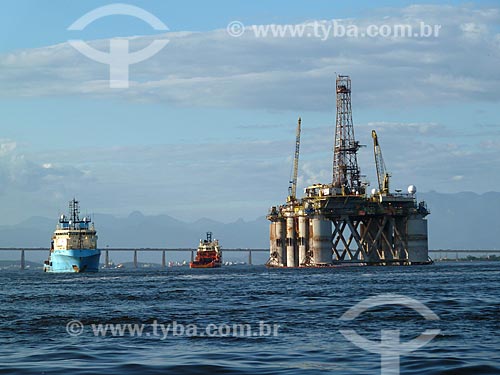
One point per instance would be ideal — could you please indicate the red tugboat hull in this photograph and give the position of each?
(212, 264)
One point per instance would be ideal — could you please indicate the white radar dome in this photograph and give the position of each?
(412, 189)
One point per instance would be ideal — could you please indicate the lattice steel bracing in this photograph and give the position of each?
(346, 172)
(377, 240)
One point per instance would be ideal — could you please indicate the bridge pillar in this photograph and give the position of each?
(106, 261)
(23, 260)
(250, 257)
(192, 255)
(163, 260)
(135, 258)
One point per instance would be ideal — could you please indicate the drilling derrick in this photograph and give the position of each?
(346, 172)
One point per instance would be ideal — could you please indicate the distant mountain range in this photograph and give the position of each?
(139, 231)
(463, 220)
(457, 221)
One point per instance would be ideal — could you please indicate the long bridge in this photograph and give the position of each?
(107, 251)
(164, 252)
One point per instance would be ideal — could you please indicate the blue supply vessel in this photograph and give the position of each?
(74, 244)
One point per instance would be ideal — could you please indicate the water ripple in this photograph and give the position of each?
(306, 304)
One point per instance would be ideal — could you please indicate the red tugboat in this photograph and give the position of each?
(209, 254)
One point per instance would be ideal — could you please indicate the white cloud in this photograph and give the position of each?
(227, 180)
(19, 172)
(6, 147)
(223, 181)
(473, 30)
(215, 70)
(212, 69)
(430, 129)
(429, 155)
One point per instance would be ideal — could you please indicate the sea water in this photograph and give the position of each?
(191, 320)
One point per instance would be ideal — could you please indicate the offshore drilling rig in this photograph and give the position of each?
(339, 223)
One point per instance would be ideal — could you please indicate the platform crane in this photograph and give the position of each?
(382, 174)
(292, 188)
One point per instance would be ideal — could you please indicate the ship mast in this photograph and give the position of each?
(74, 213)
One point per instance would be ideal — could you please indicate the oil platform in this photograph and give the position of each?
(338, 223)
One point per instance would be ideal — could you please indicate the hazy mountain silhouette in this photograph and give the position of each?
(139, 231)
(463, 220)
(457, 221)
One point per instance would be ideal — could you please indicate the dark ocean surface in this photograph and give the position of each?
(35, 309)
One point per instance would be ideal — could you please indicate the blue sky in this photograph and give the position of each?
(206, 128)
(38, 23)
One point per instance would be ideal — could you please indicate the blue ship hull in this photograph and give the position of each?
(84, 260)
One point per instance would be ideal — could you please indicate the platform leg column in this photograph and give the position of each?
(23, 260)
